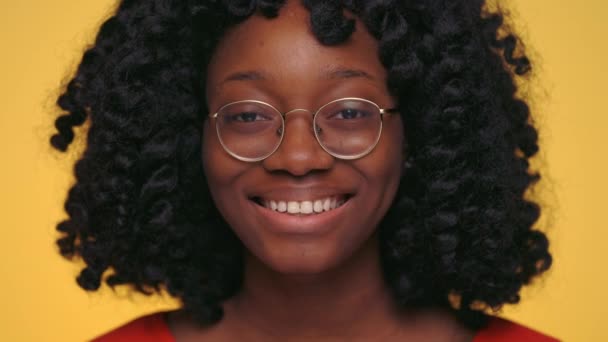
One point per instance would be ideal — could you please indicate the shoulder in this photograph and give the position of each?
(502, 330)
(152, 328)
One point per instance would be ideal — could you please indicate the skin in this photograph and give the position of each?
(306, 278)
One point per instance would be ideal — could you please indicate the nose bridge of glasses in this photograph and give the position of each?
(297, 110)
(304, 122)
(299, 150)
(306, 116)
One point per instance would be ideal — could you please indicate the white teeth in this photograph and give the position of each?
(293, 207)
(327, 204)
(304, 207)
(318, 206)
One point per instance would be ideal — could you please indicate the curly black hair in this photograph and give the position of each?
(461, 226)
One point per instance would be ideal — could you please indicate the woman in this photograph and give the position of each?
(312, 170)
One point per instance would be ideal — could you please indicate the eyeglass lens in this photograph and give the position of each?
(253, 130)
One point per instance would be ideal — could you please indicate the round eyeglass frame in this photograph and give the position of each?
(382, 112)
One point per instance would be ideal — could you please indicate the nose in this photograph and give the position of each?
(300, 152)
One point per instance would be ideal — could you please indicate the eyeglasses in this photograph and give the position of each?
(347, 128)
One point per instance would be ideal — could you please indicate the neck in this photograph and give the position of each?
(350, 299)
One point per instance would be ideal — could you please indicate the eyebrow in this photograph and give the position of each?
(336, 72)
(330, 72)
(250, 75)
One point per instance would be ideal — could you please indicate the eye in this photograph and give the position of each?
(246, 117)
(349, 114)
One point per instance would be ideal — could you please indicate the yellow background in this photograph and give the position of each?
(41, 43)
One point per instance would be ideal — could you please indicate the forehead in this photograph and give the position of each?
(285, 49)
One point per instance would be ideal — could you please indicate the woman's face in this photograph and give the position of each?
(280, 62)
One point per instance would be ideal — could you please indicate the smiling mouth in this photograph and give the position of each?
(307, 207)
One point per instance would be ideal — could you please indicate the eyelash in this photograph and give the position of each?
(239, 117)
(358, 114)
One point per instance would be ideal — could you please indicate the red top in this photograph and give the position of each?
(154, 328)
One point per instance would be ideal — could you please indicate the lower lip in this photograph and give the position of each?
(311, 224)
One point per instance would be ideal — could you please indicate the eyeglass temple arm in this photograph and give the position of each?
(389, 110)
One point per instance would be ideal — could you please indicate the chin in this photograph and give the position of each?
(300, 260)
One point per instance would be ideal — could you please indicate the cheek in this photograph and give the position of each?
(211, 157)
(223, 173)
(385, 168)
(221, 170)
(382, 169)
(225, 180)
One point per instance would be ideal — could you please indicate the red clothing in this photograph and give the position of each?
(154, 328)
